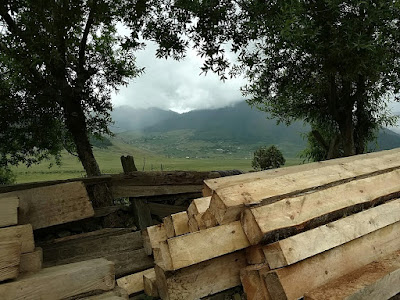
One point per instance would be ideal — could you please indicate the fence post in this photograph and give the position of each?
(128, 164)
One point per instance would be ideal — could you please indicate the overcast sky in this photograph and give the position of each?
(174, 85)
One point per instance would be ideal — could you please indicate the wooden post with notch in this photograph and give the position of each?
(128, 164)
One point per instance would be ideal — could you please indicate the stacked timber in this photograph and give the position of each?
(328, 230)
(21, 272)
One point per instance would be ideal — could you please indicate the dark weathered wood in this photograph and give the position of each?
(92, 245)
(163, 210)
(125, 190)
(141, 213)
(128, 164)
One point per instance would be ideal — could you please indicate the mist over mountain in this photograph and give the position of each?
(235, 130)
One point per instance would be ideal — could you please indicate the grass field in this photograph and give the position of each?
(109, 161)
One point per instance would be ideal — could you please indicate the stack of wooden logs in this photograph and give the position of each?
(21, 272)
(327, 230)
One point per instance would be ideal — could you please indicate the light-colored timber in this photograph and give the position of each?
(255, 255)
(377, 280)
(32, 261)
(51, 205)
(208, 219)
(269, 223)
(169, 227)
(62, 281)
(253, 283)
(295, 280)
(206, 278)
(320, 239)
(180, 223)
(211, 185)
(10, 253)
(22, 234)
(9, 211)
(156, 234)
(150, 284)
(133, 283)
(206, 244)
(227, 203)
(198, 206)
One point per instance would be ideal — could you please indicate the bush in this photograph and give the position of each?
(6, 176)
(267, 158)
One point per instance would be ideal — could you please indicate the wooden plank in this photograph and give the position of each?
(22, 234)
(323, 238)
(157, 234)
(198, 206)
(31, 262)
(9, 211)
(294, 281)
(163, 210)
(253, 285)
(193, 248)
(255, 255)
(228, 203)
(62, 281)
(52, 205)
(208, 219)
(193, 225)
(116, 294)
(153, 190)
(206, 278)
(150, 284)
(169, 227)
(162, 256)
(141, 213)
(180, 222)
(10, 253)
(211, 185)
(93, 245)
(133, 283)
(377, 280)
(281, 219)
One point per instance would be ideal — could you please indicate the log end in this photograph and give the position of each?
(250, 227)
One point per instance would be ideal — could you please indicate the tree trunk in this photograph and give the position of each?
(346, 128)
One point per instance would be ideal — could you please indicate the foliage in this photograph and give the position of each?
(267, 158)
(331, 63)
(100, 142)
(60, 61)
(6, 176)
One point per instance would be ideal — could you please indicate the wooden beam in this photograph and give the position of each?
(163, 210)
(228, 203)
(323, 238)
(211, 185)
(255, 255)
(294, 281)
(253, 284)
(9, 211)
(133, 283)
(153, 190)
(197, 281)
(157, 234)
(52, 205)
(32, 261)
(269, 223)
(176, 224)
(208, 219)
(10, 254)
(169, 227)
(198, 206)
(141, 213)
(62, 281)
(206, 244)
(150, 284)
(22, 234)
(377, 280)
(116, 294)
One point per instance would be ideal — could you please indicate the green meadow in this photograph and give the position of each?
(109, 161)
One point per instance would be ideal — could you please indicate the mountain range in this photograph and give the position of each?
(235, 130)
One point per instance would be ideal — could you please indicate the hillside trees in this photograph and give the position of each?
(267, 158)
(331, 63)
(60, 60)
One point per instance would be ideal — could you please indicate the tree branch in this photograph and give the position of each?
(82, 45)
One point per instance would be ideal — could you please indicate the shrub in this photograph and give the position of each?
(267, 158)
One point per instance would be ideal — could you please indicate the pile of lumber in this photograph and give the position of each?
(21, 272)
(327, 230)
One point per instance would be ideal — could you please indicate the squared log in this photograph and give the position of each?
(9, 211)
(22, 234)
(253, 283)
(32, 261)
(272, 222)
(62, 281)
(206, 278)
(10, 255)
(133, 283)
(227, 203)
(150, 284)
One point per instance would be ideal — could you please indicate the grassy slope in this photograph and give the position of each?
(109, 161)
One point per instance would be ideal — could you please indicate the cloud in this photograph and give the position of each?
(177, 85)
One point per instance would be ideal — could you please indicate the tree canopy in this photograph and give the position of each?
(331, 63)
(60, 60)
(267, 158)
